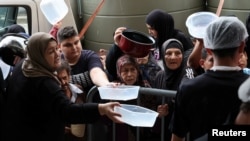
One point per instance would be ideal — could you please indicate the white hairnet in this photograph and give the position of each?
(224, 33)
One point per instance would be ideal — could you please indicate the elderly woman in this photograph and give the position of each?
(169, 79)
(128, 71)
(173, 62)
(36, 107)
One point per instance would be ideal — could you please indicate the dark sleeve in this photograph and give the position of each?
(159, 82)
(55, 100)
(112, 56)
(1, 52)
(2, 86)
(190, 73)
(82, 79)
(179, 125)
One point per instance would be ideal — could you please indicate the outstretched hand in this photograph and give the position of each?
(108, 110)
(162, 110)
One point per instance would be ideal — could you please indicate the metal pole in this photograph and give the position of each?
(157, 92)
(89, 99)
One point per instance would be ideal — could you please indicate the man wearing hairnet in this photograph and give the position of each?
(210, 100)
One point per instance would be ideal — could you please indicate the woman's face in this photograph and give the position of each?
(152, 31)
(129, 74)
(52, 55)
(173, 58)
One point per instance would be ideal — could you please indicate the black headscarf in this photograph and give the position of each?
(173, 77)
(163, 23)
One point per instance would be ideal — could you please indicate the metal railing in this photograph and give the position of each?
(143, 90)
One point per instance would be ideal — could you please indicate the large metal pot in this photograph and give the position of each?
(135, 43)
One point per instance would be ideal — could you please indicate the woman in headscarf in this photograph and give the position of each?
(36, 107)
(160, 25)
(169, 78)
(127, 74)
(128, 71)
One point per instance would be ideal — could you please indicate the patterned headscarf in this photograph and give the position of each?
(35, 65)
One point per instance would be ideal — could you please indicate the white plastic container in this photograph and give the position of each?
(136, 115)
(198, 22)
(124, 92)
(54, 10)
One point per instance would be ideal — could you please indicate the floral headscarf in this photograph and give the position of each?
(125, 59)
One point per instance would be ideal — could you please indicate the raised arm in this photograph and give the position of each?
(195, 56)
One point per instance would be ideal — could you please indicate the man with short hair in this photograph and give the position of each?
(73, 132)
(86, 68)
(211, 99)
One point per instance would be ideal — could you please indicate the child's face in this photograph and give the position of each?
(207, 63)
(243, 60)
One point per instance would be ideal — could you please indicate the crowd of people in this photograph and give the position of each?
(44, 96)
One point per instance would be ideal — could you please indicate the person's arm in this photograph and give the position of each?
(117, 34)
(53, 31)
(114, 53)
(195, 56)
(55, 100)
(108, 110)
(111, 58)
(176, 138)
(82, 79)
(99, 77)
